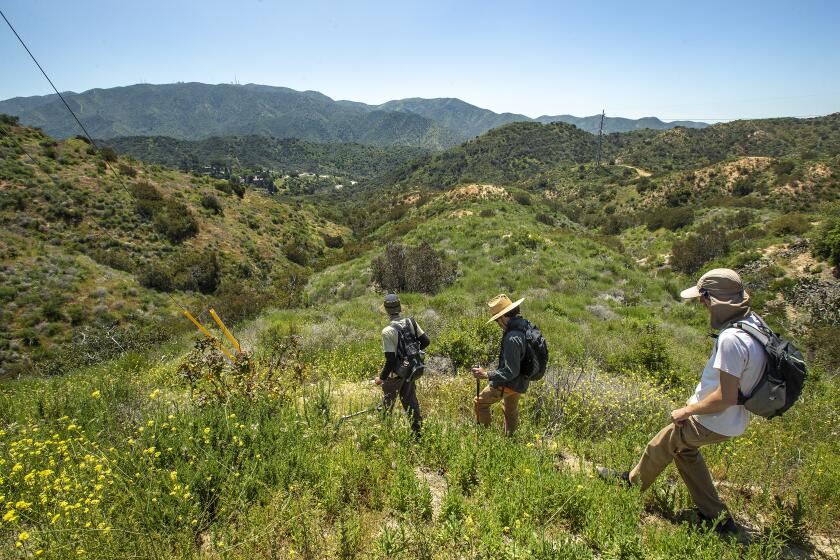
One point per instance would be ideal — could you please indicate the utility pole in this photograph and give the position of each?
(600, 137)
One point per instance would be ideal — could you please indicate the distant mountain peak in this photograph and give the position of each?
(194, 110)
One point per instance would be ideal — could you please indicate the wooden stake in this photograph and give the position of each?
(225, 330)
(206, 333)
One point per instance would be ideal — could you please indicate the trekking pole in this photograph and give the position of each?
(477, 390)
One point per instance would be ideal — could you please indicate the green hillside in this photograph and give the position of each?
(255, 152)
(506, 154)
(163, 449)
(194, 110)
(89, 250)
(683, 148)
(199, 459)
(518, 151)
(617, 124)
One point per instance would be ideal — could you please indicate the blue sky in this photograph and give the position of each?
(699, 60)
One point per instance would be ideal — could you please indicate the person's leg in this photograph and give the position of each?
(408, 397)
(659, 452)
(693, 470)
(390, 389)
(510, 407)
(487, 397)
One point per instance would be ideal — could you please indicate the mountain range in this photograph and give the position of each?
(193, 111)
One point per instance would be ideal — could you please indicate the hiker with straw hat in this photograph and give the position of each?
(394, 338)
(507, 381)
(712, 414)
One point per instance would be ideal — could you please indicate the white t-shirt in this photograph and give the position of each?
(390, 337)
(738, 354)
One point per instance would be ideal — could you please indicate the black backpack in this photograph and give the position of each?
(409, 354)
(536, 359)
(784, 375)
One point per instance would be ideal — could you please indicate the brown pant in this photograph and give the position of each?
(510, 406)
(681, 444)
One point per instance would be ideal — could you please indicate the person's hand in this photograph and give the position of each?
(377, 381)
(679, 416)
(479, 373)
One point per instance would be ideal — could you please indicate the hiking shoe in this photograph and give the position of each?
(611, 475)
(723, 526)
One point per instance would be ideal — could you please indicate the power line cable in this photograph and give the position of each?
(82, 126)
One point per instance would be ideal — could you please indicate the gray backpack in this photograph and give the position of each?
(784, 375)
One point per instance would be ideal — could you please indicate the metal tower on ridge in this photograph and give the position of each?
(600, 137)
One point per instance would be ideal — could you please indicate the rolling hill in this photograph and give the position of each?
(519, 150)
(89, 251)
(192, 111)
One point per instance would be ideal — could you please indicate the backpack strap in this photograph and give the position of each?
(762, 337)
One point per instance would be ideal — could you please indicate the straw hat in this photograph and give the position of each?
(500, 305)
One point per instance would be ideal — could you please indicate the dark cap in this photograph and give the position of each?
(392, 303)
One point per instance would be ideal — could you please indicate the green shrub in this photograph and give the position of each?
(127, 170)
(689, 254)
(743, 186)
(522, 198)
(545, 219)
(114, 258)
(297, 252)
(197, 271)
(468, 341)
(176, 221)
(404, 268)
(156, 276)
(148, 200)
(790, 224)
(669, 218)
(827, 240)
(333, 241)
(212, 203)
(107, 154)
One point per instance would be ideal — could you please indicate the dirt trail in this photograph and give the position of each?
(639, 170)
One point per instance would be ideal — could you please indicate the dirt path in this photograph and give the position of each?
(639, 170)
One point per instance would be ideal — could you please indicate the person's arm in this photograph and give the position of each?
(389, 366)
(422, 337)
(389, 348)
(720, 399)
(731, 358)
(511, 361)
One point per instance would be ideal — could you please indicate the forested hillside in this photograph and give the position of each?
(254, 152)
(194, 111)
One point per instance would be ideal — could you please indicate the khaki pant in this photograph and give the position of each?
(510, 406)
(681, 444)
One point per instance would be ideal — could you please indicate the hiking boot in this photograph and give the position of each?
(724, 526)
(611, 475)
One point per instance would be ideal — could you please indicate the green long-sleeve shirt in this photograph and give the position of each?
(511, 355)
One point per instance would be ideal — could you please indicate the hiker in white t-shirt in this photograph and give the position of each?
(712, 414)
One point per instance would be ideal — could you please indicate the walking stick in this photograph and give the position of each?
(477, 391)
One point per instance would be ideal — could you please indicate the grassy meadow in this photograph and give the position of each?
(173, 453)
